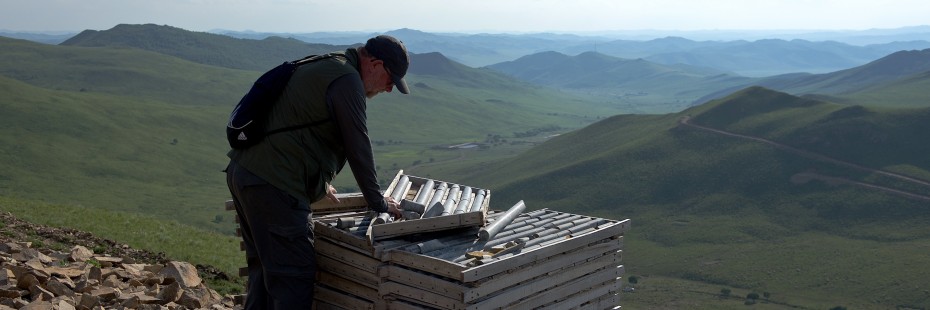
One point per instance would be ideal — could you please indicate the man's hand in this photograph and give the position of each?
(331, 193)
(393, 208)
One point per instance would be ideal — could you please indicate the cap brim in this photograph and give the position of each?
(400, 84)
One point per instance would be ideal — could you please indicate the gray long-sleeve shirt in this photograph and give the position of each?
(347, 107)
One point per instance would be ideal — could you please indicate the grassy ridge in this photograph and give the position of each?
(136, 131)
(727, 212)
(201, 47)
(91, 149)
(134, 73)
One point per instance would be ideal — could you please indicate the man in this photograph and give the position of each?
(274, 181)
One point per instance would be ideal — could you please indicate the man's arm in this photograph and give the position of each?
(346, 100)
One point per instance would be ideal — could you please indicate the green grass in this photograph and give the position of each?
(135, 131)
(799, 267)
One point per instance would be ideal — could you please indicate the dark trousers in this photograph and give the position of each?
(278, 234)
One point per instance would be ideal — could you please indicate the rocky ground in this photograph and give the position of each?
(52, 268)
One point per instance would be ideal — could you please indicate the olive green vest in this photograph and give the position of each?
(301, 162)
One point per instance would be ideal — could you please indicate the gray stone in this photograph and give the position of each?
(80, 254)
(183, 272)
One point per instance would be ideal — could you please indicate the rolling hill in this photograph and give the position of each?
(751, 192)
(138, 131)
(202, 47)
(649, 86)
(897, 75)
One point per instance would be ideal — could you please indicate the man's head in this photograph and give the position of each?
(388, 54)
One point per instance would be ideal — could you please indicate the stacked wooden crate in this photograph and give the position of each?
(542, 259)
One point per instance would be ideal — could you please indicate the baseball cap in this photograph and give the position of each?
(392, 52)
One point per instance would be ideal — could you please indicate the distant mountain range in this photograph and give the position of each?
(488, 48)
(855, 85)
(761, 57)
(755, 54)
(599, 73)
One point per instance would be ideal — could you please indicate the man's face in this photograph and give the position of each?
(377, 80)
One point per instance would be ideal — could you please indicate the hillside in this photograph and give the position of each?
(138, 131)
(202, 47)
(781, 172)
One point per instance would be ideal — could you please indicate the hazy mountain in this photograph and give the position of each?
(41, 37)
(202, 47)
(592, 69)
(904, 66)
(647, 85)
(763, 53)
(752, 58)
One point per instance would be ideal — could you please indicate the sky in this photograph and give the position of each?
(467, 16)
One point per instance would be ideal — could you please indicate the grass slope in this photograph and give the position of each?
(132, 130)
(729, 212)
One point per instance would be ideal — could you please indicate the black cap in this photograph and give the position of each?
(394, 55)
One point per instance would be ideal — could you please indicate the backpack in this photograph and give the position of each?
(246, 126)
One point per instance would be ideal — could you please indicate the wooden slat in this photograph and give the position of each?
(547, 289)
(360, 244)
(423, 281)
(345, 271)
(474, 291)
(230, 205)
(439, 223)
(348, 286)
(568, 288)
(495, 267)
(607, 252)
(432, 265)
(465, 273)
(347, 256)
(396, 304)
(326, 298)
(347, 202)
(424, 297)
(590, 296)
